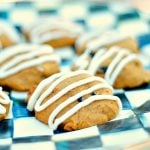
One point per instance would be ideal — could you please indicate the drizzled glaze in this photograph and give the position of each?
(121, 59)
(4, 100)
(99, 39)
(24, 56)
(35, 101)
(86, 37)
(7, 29)
(105, 39)
(53, 29)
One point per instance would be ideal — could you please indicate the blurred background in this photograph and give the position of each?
(128, 16)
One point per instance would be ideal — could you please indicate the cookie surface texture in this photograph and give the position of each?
(74, 101)
(24, 66)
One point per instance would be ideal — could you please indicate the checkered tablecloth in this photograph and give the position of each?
(20, 130)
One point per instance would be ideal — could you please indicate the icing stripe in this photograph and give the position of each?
(83, 62)
(47, 81)
(39, 107)
(40, 87)
(121, 58)
(25, 58)
(35, 101)
(99, 39)
(74, 98)
(4, 99)
(118, 69)
(51, 36)
(86, 37)
(22, 48)
(7, 29)
(2, 109)
(31, 63)
(81, 105)
(114, 63)
(100, 57)
(39, 29)
(105, 39)
(54, 84)
(44, 32)
(50, 89)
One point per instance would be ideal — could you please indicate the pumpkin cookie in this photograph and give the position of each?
(8, 35)
(24, 66)
(107, 39)
(4, 104)
(73, 101)
(120, 67)
(56, 32)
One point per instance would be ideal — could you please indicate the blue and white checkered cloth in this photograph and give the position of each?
(20, 130)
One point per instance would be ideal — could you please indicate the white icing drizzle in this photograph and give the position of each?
(42, 32)
(39, 89)
(6, 28)
(35, 101)
(50, 36)
(82, 61)
(118, 69)
(24, 56)
(86, 37)
(4, 99)
(106, 38)
(121, 59)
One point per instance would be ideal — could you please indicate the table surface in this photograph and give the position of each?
(20, 130)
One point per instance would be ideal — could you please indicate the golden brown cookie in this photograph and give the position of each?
(120, 67)
(73, 101)
(8, 35)
(56, 32)
(24, 66)
(4, 104)
(107, 39)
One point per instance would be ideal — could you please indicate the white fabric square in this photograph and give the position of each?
(23, 16)
(134, 27)
(124, 138)
(138, 97)
(145, 119)
(76, 11)
(21, 96)
(101, 21)
(29, 126)
(32, 146)
(124, 114)
(4, 142)
(87, 132)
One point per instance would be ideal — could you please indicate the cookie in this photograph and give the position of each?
(107, 39)
(24, 66)
(56, 32)
(120, 67)
(8, 35)
(4, 104)
(73, 101)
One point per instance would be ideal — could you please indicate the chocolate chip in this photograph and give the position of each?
(103, 69)
(79, 99)
(91, 54)
(93, 93)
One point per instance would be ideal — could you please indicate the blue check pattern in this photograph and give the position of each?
(20, 130)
